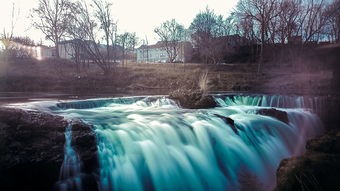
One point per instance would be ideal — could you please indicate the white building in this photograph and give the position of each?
(46, 52)
(72, 49)
(76, 49)
(157, 53)
(38, 51)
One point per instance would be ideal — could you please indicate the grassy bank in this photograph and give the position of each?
(312, 73)
(63, 76)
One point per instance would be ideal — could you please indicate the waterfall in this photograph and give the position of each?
(281, 101)
(152, 144)
(92, 103)
(69, 178)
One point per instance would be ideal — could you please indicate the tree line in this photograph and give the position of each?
(268, 22)
(260, 22)
(277, 21)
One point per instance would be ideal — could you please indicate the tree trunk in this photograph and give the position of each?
(57, 49)
(261, 51)
(107, 48)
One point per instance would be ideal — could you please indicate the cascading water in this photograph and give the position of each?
(281, 101)
(152, 144)
(69, 178)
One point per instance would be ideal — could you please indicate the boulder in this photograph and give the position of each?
(317, 169)
(228, 121)
(192, 99)
(280, 115)
(31, 149)
(84, 143)
(30, 137)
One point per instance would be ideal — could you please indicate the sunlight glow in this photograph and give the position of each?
(131, 15)
(38, 53)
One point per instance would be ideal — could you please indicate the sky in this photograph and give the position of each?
(140, 16)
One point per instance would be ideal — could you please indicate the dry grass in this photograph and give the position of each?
(317, 70)
(63, 76)
(203, 82)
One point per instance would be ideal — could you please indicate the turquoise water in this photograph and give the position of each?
(70, 171)
(150, 143)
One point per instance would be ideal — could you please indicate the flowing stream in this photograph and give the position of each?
(150, 143)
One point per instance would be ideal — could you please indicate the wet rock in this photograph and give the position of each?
(84, 143)
(280, 115)
(317, 169)
(32, 148)
(309, 172)
(328, 143)
(25, 134)
(193, 99)
(228, 121)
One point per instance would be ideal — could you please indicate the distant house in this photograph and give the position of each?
(76, 49)
(72, 49)
(35, 51)
(157, 53)
(45, 52)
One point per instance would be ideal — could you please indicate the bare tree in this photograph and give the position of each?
(278, 21)
(314, 20)
(85, 30)
(262, 13)
(103, 15)
(332, 28)
(128, 43)
(132, 43)
(7, 37)
(147, 49)
(114, 41)
(144, 50)
(52, 18)
(288, 14)
(171, 34)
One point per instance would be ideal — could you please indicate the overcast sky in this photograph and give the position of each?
(140, 16)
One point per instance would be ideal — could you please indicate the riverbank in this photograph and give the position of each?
(316, 73)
